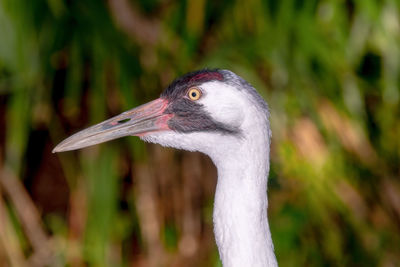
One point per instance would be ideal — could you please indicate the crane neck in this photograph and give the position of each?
(240, 208)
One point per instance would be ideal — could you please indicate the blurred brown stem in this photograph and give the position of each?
(28, 216)
(9, 244)
(136, 25)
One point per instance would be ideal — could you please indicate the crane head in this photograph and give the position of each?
(198, 112)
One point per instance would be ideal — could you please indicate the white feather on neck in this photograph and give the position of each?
(240, 207)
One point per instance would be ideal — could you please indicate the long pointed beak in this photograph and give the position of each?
(146, 118)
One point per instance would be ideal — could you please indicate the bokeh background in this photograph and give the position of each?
(329, 69)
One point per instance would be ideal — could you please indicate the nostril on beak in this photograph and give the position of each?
(124, 120)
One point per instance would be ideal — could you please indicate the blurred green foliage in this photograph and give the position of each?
(328, 69)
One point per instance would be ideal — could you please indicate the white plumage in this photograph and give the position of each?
(240, 207)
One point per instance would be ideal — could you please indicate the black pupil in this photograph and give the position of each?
(194, 94)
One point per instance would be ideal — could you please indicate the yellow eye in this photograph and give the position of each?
(194, 93)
